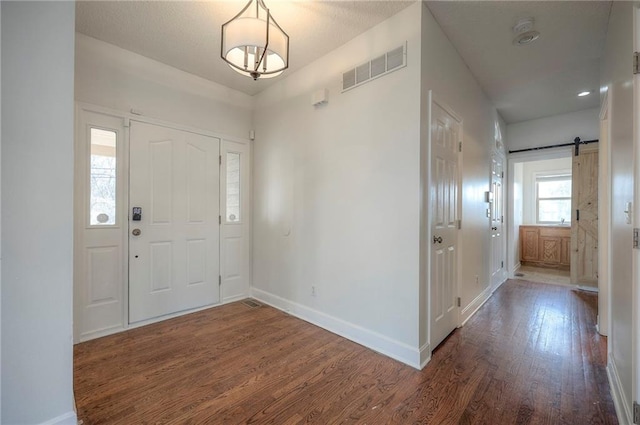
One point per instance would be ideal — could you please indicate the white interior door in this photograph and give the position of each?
(497, 220)
(445, 139)
(174, 247)
(234, 267)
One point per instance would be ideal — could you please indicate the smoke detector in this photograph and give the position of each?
(525, 34)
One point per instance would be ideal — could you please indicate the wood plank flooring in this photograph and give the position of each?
(531, 355)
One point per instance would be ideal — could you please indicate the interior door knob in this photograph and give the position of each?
(136, 232)
(437, 239)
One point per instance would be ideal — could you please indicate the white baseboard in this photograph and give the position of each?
(99, 333)
(587, 288)
(622, 407)
(495, 288)
(425, 355)
(475, 305)
(516, 268)
(397, 350)
(234, 298)
(68, 418)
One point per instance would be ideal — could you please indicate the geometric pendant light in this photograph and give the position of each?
(253, 43)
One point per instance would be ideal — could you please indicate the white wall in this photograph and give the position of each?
(616, 75)
(0, 212)
(554, 130)
(115, 78)
(337, 193)
(530, 170)
(448, 77)
(338, 188)
(37, 212)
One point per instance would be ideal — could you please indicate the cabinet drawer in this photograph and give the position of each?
(560, 232)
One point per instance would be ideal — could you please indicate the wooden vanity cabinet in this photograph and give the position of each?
(545, 246)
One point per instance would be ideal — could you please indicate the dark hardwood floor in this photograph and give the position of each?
(531, 355)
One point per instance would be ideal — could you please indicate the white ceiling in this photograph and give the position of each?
(186, 34)
(536, 80)
(526, 82)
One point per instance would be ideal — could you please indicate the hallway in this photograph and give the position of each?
(543, 275)
(530, 355)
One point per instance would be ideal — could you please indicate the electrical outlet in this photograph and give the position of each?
(313, 291)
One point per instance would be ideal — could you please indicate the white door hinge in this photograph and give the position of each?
(636, 412)
(459, 224)
(220, 159)
(459, 302)
(219, 280)
(636, 238)
(459, 146)
(636, 64)
(219, 219)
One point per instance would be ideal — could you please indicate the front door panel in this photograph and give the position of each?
(174, 247)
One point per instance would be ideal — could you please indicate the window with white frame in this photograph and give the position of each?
(553, 199)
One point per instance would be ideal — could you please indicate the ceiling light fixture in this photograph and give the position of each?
(584, 93)
(524, 31)
(253, 44)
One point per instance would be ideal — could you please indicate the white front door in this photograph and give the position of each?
(497, 220)
(445, 137)
(174, 246)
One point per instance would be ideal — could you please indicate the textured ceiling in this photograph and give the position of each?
(536, 80)
(186, 35)
(525, 82)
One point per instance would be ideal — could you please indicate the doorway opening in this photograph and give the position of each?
(541, 198)
(554, 210)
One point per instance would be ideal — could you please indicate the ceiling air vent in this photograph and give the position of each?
(382, 65)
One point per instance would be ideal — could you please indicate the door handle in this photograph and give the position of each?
(136, 232)
(437, 239)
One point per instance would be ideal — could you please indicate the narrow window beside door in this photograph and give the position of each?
(233, 187)
(102, 200)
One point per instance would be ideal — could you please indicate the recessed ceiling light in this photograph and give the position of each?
(584, 93)
(524, 32)
(526, 38)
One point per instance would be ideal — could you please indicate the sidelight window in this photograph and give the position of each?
(233, 187)
(102, 200)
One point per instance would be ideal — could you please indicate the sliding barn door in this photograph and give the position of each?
(584, 225)
(174, 241)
